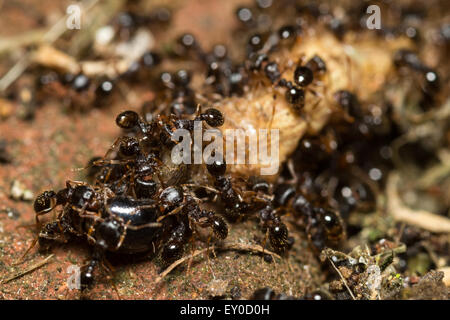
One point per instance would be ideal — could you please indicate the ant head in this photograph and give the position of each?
(171, 197)
(45, 202)
(272, 72)
(182, 78)
(296, 97)
(330, 219)
(288, 33)
(213, 117)
(129, 147)
(316, 64)
(303, 76)
(187, 41)
(302, 206)
(217, 167)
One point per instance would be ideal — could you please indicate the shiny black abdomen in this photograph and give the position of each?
(139, 212)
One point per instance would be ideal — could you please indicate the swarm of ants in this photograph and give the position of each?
(136, 203)
(136, 200)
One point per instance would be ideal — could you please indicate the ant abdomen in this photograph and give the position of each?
(278, 236)
(220, 227)
(172, 251)
(127, 119)
(174, 247)
(213, 117)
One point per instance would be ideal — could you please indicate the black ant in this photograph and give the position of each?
(79, 88)
(277, 231)
(233, 202)
(176, 88)
(123, 224)
(189, 216)
(237, 208)
(430, 78)
(324, 227)
(303, 78)
(110, 223)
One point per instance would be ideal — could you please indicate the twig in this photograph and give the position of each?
(420, 218)
(397, 250)
(49, 37)
(24, 39)
(226, 246)
(342, 277)
(30, 269)
(446, 271)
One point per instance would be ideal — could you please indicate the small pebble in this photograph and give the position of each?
(11, 213)
(217, 288)
(19, 192)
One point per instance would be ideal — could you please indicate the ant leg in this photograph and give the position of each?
(98, 163)
(199, 109)
(191, 242)
(290, 166)
(264, 242)
(51, 231)
(201, 186)
(37, 217)
(110, 161)
(163, 185)
(273, 114)
(33, 244)
(207, 253)
(110, 270)
(112, 147)
(91, 230)
(174, 211)
(77, 183)
(122, 236)
(147, 225)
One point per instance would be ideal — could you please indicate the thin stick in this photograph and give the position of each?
(226, 246)
(446, 271)
(342, 277)
(30, 269)
(49, 37)
(26, 252)
(420, 218)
